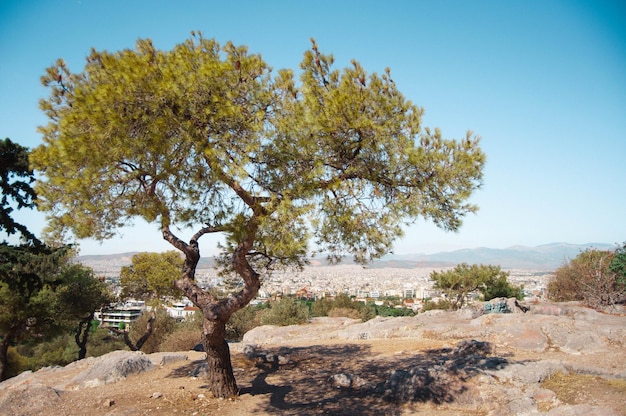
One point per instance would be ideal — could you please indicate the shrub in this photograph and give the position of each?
(499, 287)
(181, 340)
(286, 311)
(444, 304)
(591, 277)
(344, 312)
(242, 321)
(321, 307)
(163, 326)
(18, 363)
(464, 279)
(102, 341)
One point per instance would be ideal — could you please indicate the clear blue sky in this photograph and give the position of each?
(543, 82)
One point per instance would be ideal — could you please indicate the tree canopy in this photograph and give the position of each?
(151, 275)
(208, 136)
(42, 293)
(81, 295)
(15, 183)
(459, 282)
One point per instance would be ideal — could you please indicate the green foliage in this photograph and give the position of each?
(172, 135)
(370, 311)
(344, 306)
(464, 279)
(30, 276)
(207, 136)
(342, 300)
(500, 287)
(16, 178)
(102, 341)
(389, 310)
(618, 264)
(181, 339)
(17, 363)
(44, 296)
(81, 293)
(60, 350)
(163, 326)
(286, 311)
(321, 307)
(594, 277)
(244, 320)
(443, 304)
(151, 275)
(341, 305)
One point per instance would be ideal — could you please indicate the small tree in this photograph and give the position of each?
(29, 304)
(151, 276)
(500, 287)
(158, 324)
(30, 273)
(594, 277)
(464, 279)
(81, 295)
(207, 136)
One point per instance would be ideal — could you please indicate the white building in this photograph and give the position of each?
(180, 310)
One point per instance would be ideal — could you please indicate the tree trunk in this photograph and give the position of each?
(216, 311)
(221, 379)
(129, 342)
(82, 335)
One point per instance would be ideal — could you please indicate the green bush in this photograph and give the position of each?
(60, 350)
(286, 311)
(102, 341)
(163, 326)
(501, 288)
(386, 310)
(321, 307)
(444, 304)
(342, 300)
(18, 363)
(244, 320)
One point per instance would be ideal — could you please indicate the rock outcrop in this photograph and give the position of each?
(484, 363)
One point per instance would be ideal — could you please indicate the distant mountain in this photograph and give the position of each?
(544, 257)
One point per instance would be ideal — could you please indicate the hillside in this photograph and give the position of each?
(556, 360)
(544, 257)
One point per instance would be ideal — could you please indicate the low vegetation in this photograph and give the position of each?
(460, 283)
(575, 388)
(595, 277)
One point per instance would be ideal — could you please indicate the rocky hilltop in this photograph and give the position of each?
(555, 359)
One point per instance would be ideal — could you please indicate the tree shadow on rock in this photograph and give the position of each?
(350, 379)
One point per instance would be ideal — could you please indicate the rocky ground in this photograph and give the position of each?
(553, 360)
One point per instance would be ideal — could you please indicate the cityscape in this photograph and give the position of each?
(319, 280)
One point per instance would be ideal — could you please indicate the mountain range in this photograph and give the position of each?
(543, 257)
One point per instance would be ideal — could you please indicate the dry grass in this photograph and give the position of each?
(575, 388)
